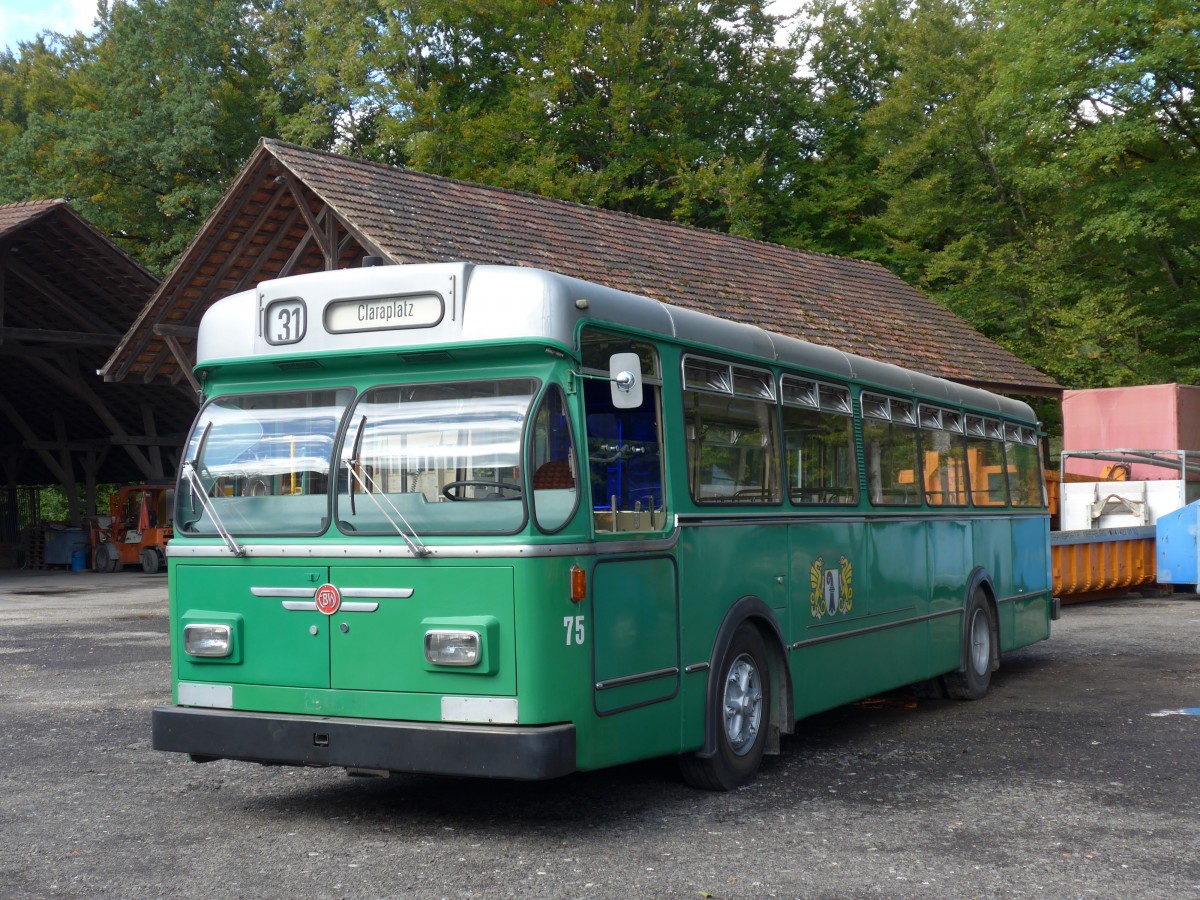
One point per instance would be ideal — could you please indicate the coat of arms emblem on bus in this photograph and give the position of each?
(832, 589)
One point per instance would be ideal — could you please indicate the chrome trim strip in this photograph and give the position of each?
(445, 551)
(695, 667)
(636, 679)
(311, 606)
(282, 592)
(871, 629)
(825, 517)
(380, 593)
(1030, 596)
(357, 607)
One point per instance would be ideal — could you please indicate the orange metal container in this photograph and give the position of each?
(1090, 565)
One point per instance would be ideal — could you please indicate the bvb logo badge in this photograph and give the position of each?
(832, 589)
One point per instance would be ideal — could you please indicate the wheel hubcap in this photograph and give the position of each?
(743, 704)
(981, 643)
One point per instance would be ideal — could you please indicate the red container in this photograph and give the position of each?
(1148, 417)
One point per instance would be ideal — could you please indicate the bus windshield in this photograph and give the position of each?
(435, 458)
(263, 462)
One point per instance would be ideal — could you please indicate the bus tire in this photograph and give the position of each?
(980, 655)
(741, 714)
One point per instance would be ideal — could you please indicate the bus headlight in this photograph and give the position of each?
(452, 648)
(207, 640)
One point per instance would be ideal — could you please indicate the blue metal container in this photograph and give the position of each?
(1178, 546)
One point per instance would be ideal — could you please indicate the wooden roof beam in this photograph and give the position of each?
(53, 336)
(319, 234)
(175, 278)
(75, 385)
(88, 320)
(230, 260)
(249, 277)
(32, 441)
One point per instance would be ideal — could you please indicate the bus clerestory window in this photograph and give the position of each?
(985, 462)
(944, 452)
(731, 432)
(1026, 482)
(818, 440)
(890, 450)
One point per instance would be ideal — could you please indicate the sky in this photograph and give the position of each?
(22, 20)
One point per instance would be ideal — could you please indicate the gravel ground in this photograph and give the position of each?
(1078, 776)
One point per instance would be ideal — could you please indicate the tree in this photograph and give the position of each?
(1033, 165)
(669, 109)
(156, 113)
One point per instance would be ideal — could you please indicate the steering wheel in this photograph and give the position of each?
(499, 485)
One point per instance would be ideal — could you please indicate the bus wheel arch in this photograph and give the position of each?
(980, 641)
(748, 655)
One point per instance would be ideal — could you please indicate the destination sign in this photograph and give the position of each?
(382, 313)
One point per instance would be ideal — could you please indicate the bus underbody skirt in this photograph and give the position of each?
(433, 748)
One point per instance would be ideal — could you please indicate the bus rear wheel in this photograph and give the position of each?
(979, 655)
(741, 712)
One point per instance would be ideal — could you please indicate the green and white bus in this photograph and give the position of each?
(495, 521)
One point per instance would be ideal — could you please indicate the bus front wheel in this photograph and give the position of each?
(741, 712)
(971, 682)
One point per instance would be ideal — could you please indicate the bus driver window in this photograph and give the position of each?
(625, 459)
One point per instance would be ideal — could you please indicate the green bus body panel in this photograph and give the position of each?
(636, 614)
(950, 562)
(384, 650)
(278, 645)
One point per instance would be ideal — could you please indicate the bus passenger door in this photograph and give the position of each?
(634, 592)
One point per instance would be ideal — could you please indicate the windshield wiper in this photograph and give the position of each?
(415, 544)
(188, 470)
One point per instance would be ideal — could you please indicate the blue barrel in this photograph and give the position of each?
(78, 560)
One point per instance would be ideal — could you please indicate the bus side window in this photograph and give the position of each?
(555, 487)
(732, 432)
(985, 462)
(818, 434)
(889, 427)
(1026, 486)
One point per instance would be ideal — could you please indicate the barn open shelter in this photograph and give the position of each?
(67, 295)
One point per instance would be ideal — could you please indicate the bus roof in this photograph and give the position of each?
(381, 308)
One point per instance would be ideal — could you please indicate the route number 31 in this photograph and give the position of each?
(575, 629)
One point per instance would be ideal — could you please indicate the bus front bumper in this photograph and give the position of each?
(433, 748)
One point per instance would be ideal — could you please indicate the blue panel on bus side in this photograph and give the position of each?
(1031, 578)
(1031, 554)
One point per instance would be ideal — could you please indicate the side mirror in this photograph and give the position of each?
(625, 380)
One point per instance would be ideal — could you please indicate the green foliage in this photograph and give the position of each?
(147, 122)
(1034, 165)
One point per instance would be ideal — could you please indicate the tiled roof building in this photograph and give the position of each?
(294, 210)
